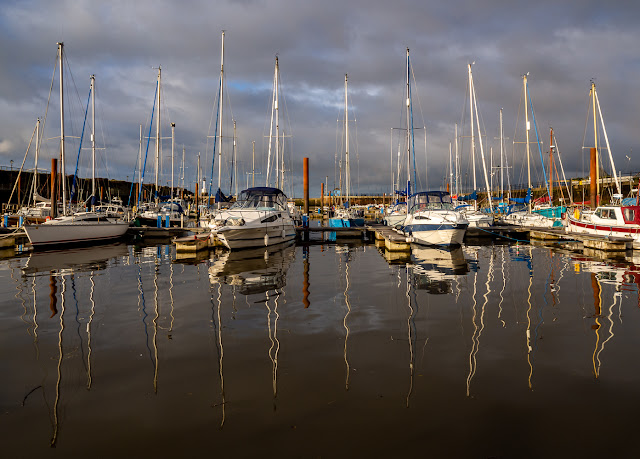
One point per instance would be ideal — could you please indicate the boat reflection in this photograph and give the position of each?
(74, 260)
(250, 272)
(255, 270)
(607, 273)
(435, 269)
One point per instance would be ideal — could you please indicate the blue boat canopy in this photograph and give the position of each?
(220, 197)
(470, 197)
(524, 200)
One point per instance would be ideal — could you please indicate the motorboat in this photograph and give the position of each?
(432, 219)
(259, 217)
(609, 220)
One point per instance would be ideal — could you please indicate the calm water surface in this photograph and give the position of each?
(319, 351)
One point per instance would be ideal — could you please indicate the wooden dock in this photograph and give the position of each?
(341, 232)
(152, 232)
(393, 241)
(193, 243)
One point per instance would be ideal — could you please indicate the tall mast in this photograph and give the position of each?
(253, 164)
(220, 105)
(277, 95)
(347, 172)
(526, 125)
(182, 177)
(35, 180)
(595, 138)
(450, 170)
(139, 169)
(550, 166)
(93, 140)
(457, 161)
(62, 168)
(158, 136)
(473, 138)
(484, 163)
(606, 139)
(173, 142)
(501, 158)
(235, 159)
(408, 130)
(391, 165)
(273, 108)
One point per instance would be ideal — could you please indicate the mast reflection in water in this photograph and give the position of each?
(327, 346)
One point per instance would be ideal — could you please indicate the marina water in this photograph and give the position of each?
(326, 350)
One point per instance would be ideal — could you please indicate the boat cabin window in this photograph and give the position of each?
(261, 199)
(606, 214)
(631, 214)
(431, 201)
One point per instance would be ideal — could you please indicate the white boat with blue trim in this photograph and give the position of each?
(432, 220)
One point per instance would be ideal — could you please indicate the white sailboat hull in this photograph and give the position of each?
(74, 233)
(527, 220)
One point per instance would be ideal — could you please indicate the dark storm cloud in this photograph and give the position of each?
(562, 46)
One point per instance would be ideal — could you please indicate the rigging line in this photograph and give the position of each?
(513, 150)
(75, 174)
(535, 127)
(215, 138)
(584, 135)
(413, 143)
(22, 165)
(426, 178)
(46, 110)
(144, 168)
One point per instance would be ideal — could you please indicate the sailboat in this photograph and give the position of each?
(157, 213)
(260, 216)
(79, 227)
(346, 216)
(431, 217)
(396, 213)
(522, 212)
(616, 219)
(38, 207)
(475, 216)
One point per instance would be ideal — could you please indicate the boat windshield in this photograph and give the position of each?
(261, 199)
(430, 200)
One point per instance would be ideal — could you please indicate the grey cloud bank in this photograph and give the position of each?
(562, 45)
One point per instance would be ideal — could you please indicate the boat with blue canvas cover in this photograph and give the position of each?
(259, 218)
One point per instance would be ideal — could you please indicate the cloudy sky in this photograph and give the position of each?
(563, 46)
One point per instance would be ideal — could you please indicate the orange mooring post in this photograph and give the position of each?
(593, 180)
(305, 181)
(54, 175)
